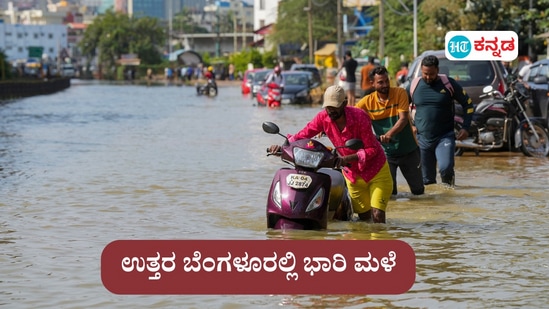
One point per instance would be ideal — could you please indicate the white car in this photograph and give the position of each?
(68, 70)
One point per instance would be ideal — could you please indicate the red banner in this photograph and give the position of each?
(258, 267)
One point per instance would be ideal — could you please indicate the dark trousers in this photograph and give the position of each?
(410, 167)
(439, 152)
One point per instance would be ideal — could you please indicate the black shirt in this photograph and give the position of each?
(350, 67)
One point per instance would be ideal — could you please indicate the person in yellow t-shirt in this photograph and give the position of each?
(388, 107)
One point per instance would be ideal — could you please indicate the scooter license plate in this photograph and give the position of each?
(298, 181)
(285, 101)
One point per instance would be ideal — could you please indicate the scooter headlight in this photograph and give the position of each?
(316, 201)
(277, 196)
(307, 158)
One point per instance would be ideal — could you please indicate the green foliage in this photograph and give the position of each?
(5, 66)
(114, 34)
(242, 59)
(269, 58)
(437, 17)
(184, 23)
(292, 22)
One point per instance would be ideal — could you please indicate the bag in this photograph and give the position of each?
(413, 86)
(342, 77)
(444, 79)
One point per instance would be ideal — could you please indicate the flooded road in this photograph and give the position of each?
(100, 162)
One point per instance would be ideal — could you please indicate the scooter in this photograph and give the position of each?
(306, 196)
(210, 88)
(497, 118)
(274, 95)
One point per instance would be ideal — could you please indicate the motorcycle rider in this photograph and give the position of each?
(366, 171)
(210, 75)
(276, 77)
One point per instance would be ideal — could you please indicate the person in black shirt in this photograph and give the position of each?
(434, 120)
(350, 66)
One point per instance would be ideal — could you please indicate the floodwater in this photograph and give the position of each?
(101, 162)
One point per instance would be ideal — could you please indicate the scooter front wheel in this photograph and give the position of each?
(531, 146)
(286, 224)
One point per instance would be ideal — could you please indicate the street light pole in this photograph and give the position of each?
(310, 18)
(339, 51)
(217, 52)
(415, 29)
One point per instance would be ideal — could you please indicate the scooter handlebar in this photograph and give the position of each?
(269, 153)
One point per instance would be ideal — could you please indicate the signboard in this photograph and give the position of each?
(360, 3)
(35, 51)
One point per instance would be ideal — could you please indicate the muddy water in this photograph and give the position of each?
(100, 162)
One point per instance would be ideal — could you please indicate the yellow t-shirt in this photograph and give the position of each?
(385, 115)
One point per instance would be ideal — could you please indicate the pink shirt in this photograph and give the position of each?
(370, 159)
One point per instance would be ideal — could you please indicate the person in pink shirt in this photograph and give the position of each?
(366, 170)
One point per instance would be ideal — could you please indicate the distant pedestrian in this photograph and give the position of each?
(366, 84)
(350, 65)
(231, 72)
(402, 73)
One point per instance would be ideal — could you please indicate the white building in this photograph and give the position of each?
(15, 39)
(265, 15)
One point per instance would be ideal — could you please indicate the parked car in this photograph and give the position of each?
(246, 84)
(68, 70)
(359, 93)
(317, 77)
(537, 79)
(299, 88)
(473, 76)
(259, 78)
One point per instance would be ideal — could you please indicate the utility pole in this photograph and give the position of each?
(170, 8)
(415, 29)
(310, 20)
(244, 20)
(381, 32)
(217, 45)
(339, 51)
(530, 26)
(235, 41)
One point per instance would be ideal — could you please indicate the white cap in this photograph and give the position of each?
(334, 96)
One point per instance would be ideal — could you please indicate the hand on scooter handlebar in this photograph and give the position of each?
(341, 162)
(384, 139)
(275, 150)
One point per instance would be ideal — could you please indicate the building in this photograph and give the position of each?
(265, 15)
(17, 40)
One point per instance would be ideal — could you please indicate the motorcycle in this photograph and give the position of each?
(497, 118)
(273, 97)
(210, 88)
(306, 196)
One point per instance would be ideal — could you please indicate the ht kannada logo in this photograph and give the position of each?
(481, 45)
(459, 46)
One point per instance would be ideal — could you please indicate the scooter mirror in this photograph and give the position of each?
(354, 144)
(271, 128)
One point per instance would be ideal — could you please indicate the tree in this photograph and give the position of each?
(184, 23)
(437, 17)
(292, 23)
(5, 66)
(114, 34)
